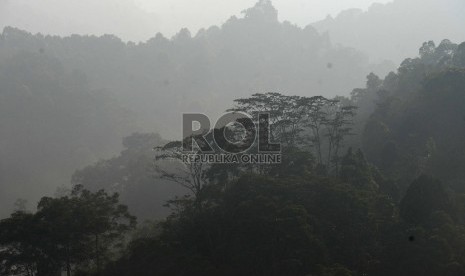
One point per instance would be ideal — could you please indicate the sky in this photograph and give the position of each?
(195, 14)
(138, 20)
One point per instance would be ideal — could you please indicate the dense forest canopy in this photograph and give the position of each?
(371, 180)
(80, 95)
(51, 122)
(207, 70)
(344, 214)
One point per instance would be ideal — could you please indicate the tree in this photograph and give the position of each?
(190, 174)
(425, 196)
(263, 10)
(338, 127)
(21, 244)
(295, 121)
(130, 174)
(316, 120)
(459, 56)
(75, 230)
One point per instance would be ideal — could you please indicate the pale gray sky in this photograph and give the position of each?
(141, 19)
(195, 14)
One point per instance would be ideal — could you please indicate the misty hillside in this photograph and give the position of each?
(51, 122)
(418, 123)
(85, 93)
(205, 71)
(122, 17)
(331, 161)
(379, 213)
(393, 31)
(69, 101)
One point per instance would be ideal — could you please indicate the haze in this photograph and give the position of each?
(196, 14)
(350, 161)
(141, 19)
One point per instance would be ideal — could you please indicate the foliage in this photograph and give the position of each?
(66, 233)
(132, 176)
(417, 123)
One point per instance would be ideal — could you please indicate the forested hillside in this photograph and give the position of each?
(207, 70)
(397, 211)
(69, 101)
(326, 209)
(393, 30)
(51, 123)
(370, 179)
(418, 121)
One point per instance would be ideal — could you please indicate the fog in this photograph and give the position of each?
(122, 18)
(141, 19)
(250, 50)
(363, 24)
(198, 14)
(412, 21)
(360, 104)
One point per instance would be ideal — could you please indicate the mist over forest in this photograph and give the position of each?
(368, 107)
(146, 86)
(393, 31)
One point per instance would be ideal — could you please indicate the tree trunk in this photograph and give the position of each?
(97, 254)
(68, 265)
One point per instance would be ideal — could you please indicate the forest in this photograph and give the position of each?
(371, 180)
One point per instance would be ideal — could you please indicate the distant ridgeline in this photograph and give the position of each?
(83, 93)
(413, 120)
(393, 31)
(163, 77)
(66, 102)
(369, 184)
(393, 207)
